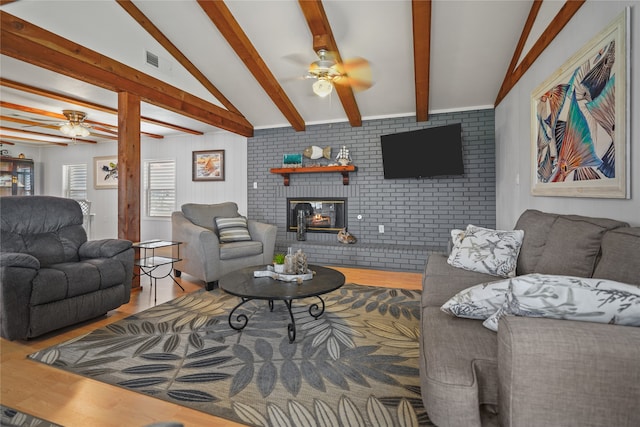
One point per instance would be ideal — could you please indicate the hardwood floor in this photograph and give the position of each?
(71, 400)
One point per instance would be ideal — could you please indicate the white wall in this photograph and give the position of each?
(513, 125)
(104, 202)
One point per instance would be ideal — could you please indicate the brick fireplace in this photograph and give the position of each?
(417, 215)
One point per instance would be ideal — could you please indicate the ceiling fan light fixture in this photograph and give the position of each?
(74, 126)
(322, 87)
(66, 128)
(81, 130)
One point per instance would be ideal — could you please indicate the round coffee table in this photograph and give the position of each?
(241, 283)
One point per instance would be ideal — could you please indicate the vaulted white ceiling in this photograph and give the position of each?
(472, 44)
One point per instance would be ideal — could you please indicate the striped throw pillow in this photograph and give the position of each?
(232, 229)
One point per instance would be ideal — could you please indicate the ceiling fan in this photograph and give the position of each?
(355, 72)
(75, 125)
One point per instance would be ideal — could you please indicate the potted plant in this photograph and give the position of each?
(278, 263)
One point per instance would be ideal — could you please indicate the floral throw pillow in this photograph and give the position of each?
(571, 298)
(479, 301)
(486, 251)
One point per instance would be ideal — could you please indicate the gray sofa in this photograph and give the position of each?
(535, 371)
(204, 256)
(50, 275)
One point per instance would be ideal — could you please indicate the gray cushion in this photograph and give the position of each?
(572, 247)
(620, 256)
(39, 214)
(203, 215)
(76, 278)
(49, 228)
(545, 237)
(49, 285)
(82, 277)
(536, 226)
(112, 271)
(240, 249)
(103, 248)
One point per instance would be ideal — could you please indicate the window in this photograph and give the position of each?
(74, 185)
(160, 187)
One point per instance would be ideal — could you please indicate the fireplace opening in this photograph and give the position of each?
(322, 215)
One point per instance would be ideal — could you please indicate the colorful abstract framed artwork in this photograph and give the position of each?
(105, 170)
(579, 121)
(208, 165)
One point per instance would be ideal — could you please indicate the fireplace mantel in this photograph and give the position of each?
(344, 170)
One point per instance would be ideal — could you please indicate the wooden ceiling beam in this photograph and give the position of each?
(92, 105)
(24, 41)
(31, 110)
(38, 141)
(421, 12)
(526, 30)
(222, 18)
(155, 32)
(323, 39)
(561, 19)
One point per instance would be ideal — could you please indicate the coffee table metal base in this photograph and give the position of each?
(243, 284)
(315, 311)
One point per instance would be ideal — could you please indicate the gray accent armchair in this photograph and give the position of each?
(203, 256)
(50, 275)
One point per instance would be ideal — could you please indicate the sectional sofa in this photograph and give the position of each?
(535, 371)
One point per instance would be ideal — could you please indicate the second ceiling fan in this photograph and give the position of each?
(75, 125)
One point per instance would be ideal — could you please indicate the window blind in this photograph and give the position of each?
(160, 187)
(75, 181)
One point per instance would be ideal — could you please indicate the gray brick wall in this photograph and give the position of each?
(417, 214)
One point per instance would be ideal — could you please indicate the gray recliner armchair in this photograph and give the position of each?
(204, 256)
(50, 275)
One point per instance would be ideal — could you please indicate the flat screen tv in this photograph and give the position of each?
(423, 153)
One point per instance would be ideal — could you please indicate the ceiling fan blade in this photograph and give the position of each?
(355, 72)
(29, 123)
(32, 119)
(298, 59)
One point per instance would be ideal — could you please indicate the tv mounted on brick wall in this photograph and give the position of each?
(423, 153)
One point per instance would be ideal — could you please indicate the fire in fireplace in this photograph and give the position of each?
(322, 215)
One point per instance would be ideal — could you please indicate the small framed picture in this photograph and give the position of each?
(208, 165)
(105, 172)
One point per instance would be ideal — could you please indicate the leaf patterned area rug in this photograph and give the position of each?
(13, 417)
(356, 364)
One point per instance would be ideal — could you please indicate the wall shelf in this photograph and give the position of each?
(343, 170)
